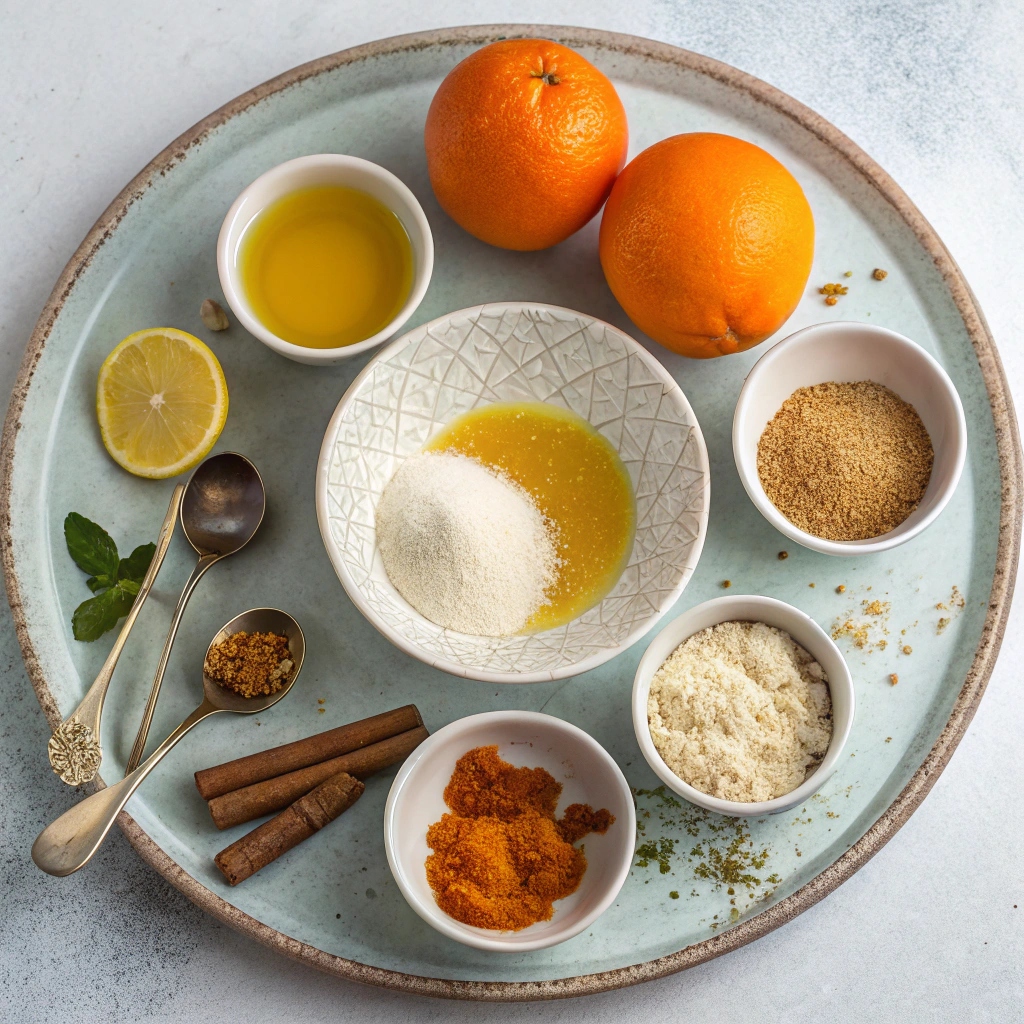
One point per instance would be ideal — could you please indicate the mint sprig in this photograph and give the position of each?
(115, 581)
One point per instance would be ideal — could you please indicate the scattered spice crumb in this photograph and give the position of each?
(319, 700)
(864, 634)
(840, 589)
(857, 632)
(848, 273)
(907, 649)
(811, 585)
(941, 626)
(673, 895)
(893, 678)
(783, 555)
(831, 814)
(831, 300)
(888, 739)
(321, 711)
(832, 290)
(879, 274)
(726, 584)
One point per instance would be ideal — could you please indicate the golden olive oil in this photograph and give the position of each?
(578, 482)
(326, 266)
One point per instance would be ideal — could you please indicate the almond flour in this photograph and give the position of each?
(741, 712)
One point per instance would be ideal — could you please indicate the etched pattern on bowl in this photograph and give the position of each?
(514, 352)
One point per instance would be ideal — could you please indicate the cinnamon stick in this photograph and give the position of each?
(290, 757)
(296, 823)
(271, 795)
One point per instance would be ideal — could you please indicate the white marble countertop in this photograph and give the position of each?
(933, 90)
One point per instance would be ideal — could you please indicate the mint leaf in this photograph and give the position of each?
(94, 617)
(115, 581)
(135, 565)
(90, 546)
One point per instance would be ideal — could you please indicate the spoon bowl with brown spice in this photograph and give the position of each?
(68, 843)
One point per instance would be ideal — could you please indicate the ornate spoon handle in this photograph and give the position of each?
(74, 747)
(68, 843)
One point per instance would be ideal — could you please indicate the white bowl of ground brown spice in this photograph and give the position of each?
(849, 438)
(742, 705)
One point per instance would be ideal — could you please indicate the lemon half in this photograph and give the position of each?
(161, 400)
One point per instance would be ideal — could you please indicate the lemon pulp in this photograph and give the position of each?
(326, 266)
(161, 402)
(576, 479)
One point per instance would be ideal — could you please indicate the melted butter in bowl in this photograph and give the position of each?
(578, 483)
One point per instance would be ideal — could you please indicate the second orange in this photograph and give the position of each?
(707, 243)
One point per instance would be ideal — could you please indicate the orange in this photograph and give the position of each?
(707, 243)
(524, 139)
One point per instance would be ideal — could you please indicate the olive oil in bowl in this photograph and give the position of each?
(326, 267)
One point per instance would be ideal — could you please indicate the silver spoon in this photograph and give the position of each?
(68, 843)
(222, 508)
(74, 747)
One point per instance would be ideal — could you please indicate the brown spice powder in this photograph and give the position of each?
(845, 461)
(251, 664)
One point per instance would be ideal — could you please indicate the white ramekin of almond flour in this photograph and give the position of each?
(805, 632)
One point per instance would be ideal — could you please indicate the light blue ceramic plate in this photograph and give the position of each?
(150, 261)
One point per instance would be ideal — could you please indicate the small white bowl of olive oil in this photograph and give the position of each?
(324, 257)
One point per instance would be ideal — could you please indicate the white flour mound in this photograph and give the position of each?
(466, 547)
(741, 711)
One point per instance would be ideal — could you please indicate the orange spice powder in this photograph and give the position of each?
(501, 858)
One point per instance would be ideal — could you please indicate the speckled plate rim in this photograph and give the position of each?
(355, 592)
(1007, 444)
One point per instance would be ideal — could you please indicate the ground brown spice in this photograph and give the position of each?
(501, 859)
(845, 461)
(251, 664)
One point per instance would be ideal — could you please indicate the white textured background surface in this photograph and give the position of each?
(934, 90)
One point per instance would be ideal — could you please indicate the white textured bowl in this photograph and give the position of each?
(848, 352)
(515, 352)
(807, 633)
(307, 172)
(529, 740)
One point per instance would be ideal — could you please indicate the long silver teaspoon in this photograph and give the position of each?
(69, 843)
(74, 747)
(222, 508)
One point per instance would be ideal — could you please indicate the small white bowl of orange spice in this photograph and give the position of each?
(488, 790)
(849, 438)
(324, 257)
